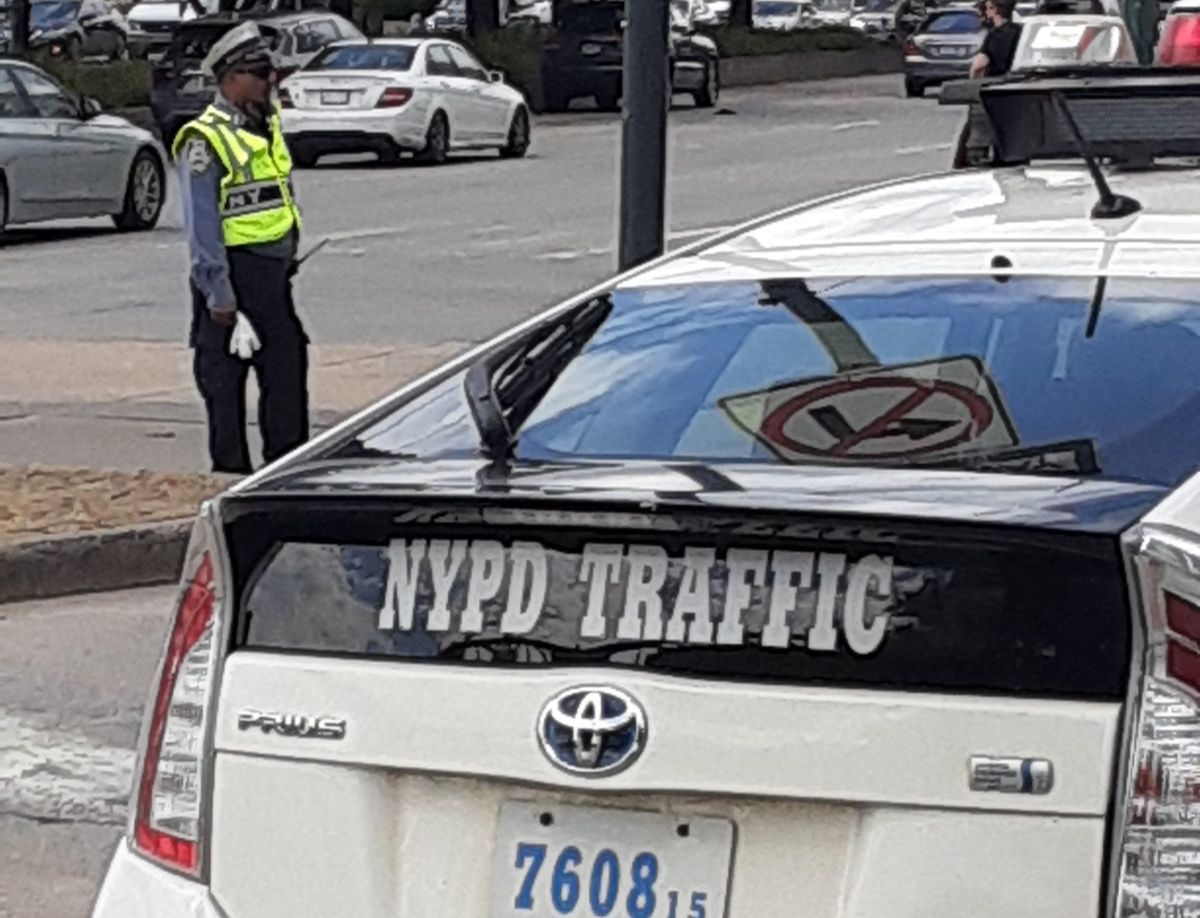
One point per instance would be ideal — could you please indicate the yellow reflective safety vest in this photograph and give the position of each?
(257, 203)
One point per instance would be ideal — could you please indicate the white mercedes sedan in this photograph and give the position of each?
(426, 97)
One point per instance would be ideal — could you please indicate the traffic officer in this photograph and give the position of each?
(243, 229)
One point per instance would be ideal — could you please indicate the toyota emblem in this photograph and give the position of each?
(592, 730)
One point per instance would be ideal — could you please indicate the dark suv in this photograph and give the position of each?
(180, 89)
(584, 54)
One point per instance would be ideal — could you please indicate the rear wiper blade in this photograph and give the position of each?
(458, 649)
(504, 387)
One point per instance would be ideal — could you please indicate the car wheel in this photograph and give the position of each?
(144, 194)
(913, 89)
(706, 97)
(518, 136)
(437, 141)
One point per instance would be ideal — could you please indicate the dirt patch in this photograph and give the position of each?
(36, 501)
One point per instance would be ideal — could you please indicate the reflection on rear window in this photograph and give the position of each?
(953, 22)
(951, 372)
(365, 57)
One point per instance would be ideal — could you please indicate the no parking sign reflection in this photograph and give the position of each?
(919, 411)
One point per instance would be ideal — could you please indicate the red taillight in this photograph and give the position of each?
(285, 99)
(910, 48)
(1180, 41)
(170, 785)
(394, 97)
(1157, 845)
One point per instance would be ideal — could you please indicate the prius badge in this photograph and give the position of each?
(592, 730)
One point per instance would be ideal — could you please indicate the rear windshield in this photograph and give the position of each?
(1022, 374)
(965, 21)
(365, 57)
(777, 9)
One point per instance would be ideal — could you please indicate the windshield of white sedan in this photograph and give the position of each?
(1038, 375)
(365, 57)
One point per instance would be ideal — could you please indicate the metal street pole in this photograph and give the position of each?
(19, 26)
(647, 96)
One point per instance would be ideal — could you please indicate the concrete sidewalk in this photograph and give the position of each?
(133, 405)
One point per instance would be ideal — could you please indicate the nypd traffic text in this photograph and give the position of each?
(640, 593)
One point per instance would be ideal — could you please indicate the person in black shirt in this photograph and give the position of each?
(995, 58)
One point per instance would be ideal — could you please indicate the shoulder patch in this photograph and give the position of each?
(198, 155)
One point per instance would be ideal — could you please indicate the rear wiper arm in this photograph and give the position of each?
(504, 387)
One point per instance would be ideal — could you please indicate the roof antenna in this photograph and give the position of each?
(1110, 206)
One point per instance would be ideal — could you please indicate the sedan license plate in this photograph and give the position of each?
(592, 862)
(341, 97)
(590, 48)
(954, 51)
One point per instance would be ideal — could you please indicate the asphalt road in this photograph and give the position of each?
(460, 252)
(421, 256)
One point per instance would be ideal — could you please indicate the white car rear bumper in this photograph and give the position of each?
(136, 888)
(405, 126)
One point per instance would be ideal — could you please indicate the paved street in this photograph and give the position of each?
(73, 679)
(421, 262)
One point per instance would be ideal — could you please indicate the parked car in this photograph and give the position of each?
(782, 15)
(426, 97)
(583, 57)
(835, 12)
(540, 12)
(876, 19)
(449, 17)
(74, 29)
(941, 49)
(181, 90)
(61, 157)
(1049, 42)
(1179, 41)
(152, 23)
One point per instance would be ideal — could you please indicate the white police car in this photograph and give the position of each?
(848, 565)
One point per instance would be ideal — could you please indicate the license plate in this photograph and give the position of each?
(335, 98)
(954, 51)
(590, 48)
(592, 862)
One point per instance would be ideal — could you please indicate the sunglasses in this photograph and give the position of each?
(262, 71)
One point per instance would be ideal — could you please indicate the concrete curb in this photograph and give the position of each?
(111, 559)
(811, 65)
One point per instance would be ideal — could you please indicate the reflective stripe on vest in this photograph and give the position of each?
(256, 199)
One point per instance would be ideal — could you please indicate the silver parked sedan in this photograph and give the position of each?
(61, 158)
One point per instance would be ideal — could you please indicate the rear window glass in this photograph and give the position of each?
(364, 57)
(1024, 374)
(947, 23)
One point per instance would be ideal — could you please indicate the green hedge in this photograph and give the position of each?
(116, 84)
(517, 51)
(739, 41)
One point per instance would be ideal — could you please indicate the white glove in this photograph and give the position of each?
(244, 340)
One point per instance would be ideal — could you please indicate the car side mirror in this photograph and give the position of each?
(89, 108)
(495, 76)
